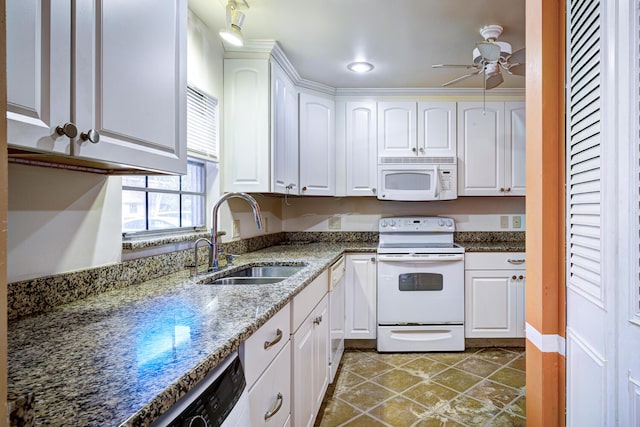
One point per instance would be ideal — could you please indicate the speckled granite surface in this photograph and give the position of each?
(488, 241)
(109, 359)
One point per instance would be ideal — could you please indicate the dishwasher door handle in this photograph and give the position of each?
(416, 258)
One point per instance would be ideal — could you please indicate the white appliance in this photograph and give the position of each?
(420, 285)
(336, 315)
(220, 399)
(417, 179)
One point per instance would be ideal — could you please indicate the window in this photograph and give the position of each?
(202, 124)
(151, 203)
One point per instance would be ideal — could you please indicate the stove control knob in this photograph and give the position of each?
(392, 223)
(441, 222)
(383, 223)
(449, 223)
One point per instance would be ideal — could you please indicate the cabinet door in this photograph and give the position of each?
(521, 304)
(515, 148)
(491, 305)
(321, 354)
(317, 145)
(481, 149)
(246, 125)
(360, 297)
(270, 397)
(284, 138)
(38, 74)
(130, 82)
(397, 129)
(437, 129)
(361, 148)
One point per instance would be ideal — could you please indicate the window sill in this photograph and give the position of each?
(146, 242)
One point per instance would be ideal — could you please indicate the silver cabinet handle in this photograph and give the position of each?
(515, 261)
(68, 129)
(91, 135)
(373, 190)
(275, 410)
(317, 320)
(277, 339)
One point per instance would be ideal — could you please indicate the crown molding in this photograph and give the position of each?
(272, 49)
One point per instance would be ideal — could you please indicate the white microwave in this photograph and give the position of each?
(417, 182)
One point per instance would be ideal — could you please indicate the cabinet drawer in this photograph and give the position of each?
(262, 347)
(306, 300)
(495, 261)
(270, 397)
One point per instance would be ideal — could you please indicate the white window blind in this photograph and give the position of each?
(202, 124)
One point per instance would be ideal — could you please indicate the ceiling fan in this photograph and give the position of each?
(490, 57)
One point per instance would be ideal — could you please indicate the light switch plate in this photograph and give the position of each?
(335, 222)
(236, 228)
(516, 221)
(265, 222)
(504, 221)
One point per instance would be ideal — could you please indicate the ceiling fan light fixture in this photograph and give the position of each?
(233, 31)
(360, 67)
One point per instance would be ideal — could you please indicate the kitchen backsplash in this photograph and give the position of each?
(44, 293)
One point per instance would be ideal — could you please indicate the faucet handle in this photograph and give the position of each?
(230, 258)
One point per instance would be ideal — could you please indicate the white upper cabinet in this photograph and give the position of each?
(246, 125)
(437, 129)
(284, 108)
(317, 145)
(126, 92)
(38, 74)
(491, 149)
(361, 148)
(397, 129)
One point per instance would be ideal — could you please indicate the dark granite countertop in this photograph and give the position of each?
(125, 356)
(493, 246)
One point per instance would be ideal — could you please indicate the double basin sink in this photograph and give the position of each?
(260, 275)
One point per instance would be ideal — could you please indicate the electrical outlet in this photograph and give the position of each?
(236, 228)
(335, 222)
(504, 221)
(516, 221)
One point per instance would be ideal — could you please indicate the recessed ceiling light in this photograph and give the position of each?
(360, 67)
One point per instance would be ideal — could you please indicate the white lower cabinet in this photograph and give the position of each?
(310, 351)
(494, 295)
(266, 358)
(360, 296)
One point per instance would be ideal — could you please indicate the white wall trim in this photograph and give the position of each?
(546, 343)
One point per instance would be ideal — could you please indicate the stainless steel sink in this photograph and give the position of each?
(260, 275)
(268, 271)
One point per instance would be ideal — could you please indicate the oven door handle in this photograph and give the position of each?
(421, 258)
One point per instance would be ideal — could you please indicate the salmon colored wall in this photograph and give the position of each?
(545, 207)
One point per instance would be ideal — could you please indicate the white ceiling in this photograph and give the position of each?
(402, 38)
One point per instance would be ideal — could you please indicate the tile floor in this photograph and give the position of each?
(478, 387)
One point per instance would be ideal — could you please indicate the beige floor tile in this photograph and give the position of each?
(345, 380)
(480, 367)
(437, 420)
(497, 355)
(424, 368)
(430, 394)
(451, 358)
(505, 419)
(494, 393)
(397, 359)
(511, 377)
(337, 412)
(368, 367)
(519, 407)
(518, 363)
(399, 412)
(366, 395)
(457, 379)
(470, 412)
(364, 421)
(397, 380)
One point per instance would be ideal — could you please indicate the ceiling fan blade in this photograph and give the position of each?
(492, 80)
(453, 66)
(519, 56)
(517, 69)
(459, 79)
(489, 51)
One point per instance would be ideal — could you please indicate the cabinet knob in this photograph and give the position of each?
(502, 190)
(513, 277)
(421, 150)
(304, 188)
(91, 135)
(373, 259)
(373, 190)
(508, 189)
(68, 129)
(317, 320)
(413, 149)
(521, 277)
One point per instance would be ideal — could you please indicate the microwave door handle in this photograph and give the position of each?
(436, 176)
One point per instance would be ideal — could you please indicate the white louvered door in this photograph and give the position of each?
(603, 208)
(587, 319)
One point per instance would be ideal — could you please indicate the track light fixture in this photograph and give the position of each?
(233, 31)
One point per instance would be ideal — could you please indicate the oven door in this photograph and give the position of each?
(420, 289)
